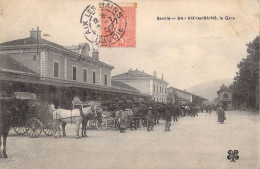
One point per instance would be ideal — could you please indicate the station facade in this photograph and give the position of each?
(147, 84)
(56, 73)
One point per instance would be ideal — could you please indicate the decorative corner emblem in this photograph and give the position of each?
(232, 155)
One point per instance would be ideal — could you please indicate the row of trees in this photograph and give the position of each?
(246, 83)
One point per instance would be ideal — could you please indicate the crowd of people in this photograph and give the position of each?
(149, 114)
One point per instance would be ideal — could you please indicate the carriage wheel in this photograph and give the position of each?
(102, 126)
(34, 128)
(48, 129)
(91, 124)
(19, 128)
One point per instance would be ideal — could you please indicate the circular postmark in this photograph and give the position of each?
(104, 25)
(91, 24)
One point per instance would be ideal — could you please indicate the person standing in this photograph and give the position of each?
(130, 116)
(150, 119)
(175, 113)
(168, 118)
(137, 115)
(221, 115)
(123, 120)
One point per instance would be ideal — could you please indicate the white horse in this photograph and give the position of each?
(74, 116)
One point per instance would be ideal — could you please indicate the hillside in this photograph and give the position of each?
(209, 89)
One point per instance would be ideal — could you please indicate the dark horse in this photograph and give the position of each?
(91, 116)
(5, 124)
(86, 118)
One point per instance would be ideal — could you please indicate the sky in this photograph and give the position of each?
(186, 52)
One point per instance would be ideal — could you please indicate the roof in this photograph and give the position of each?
(33, 41)
(134, 74)
(187, 93)
(6, 62)
(175, 95)
(224, 88)
(122, 85)
(181, 99)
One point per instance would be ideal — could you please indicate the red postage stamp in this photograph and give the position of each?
(118, 25)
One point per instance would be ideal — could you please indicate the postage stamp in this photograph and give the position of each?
(110, 25)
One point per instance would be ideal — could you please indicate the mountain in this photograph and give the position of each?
(208, 90)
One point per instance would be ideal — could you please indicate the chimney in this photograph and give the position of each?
(155, 74)
(95, 55)
(162, 76)
(33, 33)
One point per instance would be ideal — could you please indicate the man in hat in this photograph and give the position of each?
(135, 110)
(168, 117)
(150, 119)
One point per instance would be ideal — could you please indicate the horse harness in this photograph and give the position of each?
(63, 118)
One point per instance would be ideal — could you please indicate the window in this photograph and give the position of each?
(94, 77)
(165, 90)
(105, 79)
(157, 91)
(85, 75)
(160, 89)
(34, 57)
(157, 97)
(74, 73)
(154, 89)
(225, 96)
(56, 68)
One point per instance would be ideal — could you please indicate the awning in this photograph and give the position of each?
(36, 79)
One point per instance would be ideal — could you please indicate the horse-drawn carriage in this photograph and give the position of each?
(27, 114)
(94, 122)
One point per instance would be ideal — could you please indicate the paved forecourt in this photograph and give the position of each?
(194, 142)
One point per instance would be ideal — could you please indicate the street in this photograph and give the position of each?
(194, 142)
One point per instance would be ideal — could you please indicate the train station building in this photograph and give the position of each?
(56, 73)
(147, 84)
(184, 97)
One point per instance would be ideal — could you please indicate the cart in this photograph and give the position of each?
(28, 115)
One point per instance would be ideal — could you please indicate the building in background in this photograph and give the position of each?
(225, 97)
(183, 97)
(147, 84)
(55, 73)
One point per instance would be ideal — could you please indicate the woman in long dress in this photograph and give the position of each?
(221, 115)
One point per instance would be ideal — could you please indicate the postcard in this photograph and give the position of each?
(134, 84)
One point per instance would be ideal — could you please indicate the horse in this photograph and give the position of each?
(5, 125)
(187, 110)
(90, 116)
(117, 115)
(75, 116)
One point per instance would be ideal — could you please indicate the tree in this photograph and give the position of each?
(246, 82)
